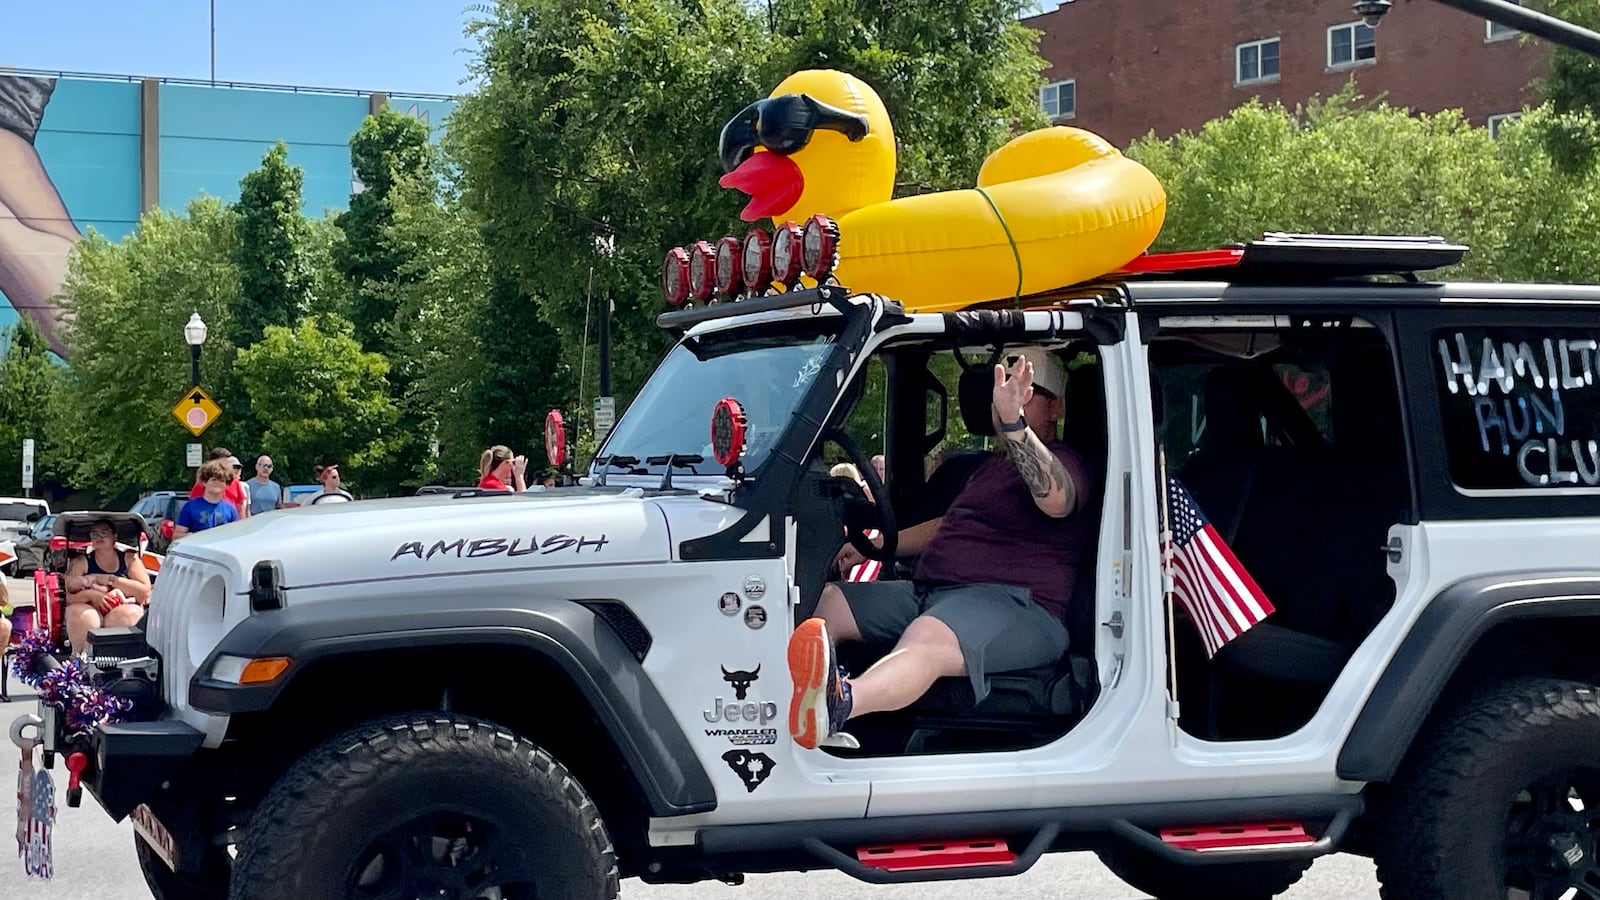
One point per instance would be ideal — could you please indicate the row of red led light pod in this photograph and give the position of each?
(750, 268)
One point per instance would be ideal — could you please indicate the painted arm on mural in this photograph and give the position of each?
(36, 231)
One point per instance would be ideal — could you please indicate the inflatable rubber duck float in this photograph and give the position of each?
(1053, 207)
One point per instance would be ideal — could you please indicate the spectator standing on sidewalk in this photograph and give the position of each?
(234, 492)
(265, 494)
(210, 509)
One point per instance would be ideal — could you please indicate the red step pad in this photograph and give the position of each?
(936, 855)
(1233, 837)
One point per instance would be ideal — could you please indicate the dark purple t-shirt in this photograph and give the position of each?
(994, 533)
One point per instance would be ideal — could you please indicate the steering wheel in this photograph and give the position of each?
(856, 525)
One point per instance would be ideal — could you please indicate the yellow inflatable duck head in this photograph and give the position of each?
(821, 143)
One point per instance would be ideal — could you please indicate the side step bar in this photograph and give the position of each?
(936, 860)
(1237, 842)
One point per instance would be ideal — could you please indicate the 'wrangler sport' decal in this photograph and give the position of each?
(481, 548)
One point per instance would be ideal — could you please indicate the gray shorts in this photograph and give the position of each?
(999, 627)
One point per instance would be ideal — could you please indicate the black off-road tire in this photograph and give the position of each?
(1444, 831)
(1167, 880)
(166, 884)
(318, 826)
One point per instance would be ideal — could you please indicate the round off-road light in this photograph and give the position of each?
(555, 438)
(729, 269)
(675, 276)
(786, 254)
(702, 271)
(819, 246)
(757, 269)
(727, 431)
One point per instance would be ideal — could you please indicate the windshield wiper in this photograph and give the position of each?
(672, 461)
(619, 461)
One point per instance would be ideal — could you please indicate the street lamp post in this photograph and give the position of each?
(195, 334)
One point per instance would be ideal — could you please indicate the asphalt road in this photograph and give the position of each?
(94, 858)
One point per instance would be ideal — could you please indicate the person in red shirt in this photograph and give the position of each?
(496, 465)
(234, 493)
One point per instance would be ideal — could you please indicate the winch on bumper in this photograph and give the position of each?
(124, 764)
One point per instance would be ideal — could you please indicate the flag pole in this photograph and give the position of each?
(1166, 597)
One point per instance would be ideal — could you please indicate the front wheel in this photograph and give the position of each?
(426, 805)
(1501, 800)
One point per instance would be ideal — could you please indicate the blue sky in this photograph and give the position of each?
(409, 45)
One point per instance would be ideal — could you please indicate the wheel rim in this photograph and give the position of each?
(1553, 839)
(446, 855)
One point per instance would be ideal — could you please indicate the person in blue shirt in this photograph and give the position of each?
(209, 509)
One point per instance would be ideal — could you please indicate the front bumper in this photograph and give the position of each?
(127, 763)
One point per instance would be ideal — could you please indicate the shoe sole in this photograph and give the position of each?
(808, 671)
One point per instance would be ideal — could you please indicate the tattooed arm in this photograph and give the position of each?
(1046, 478)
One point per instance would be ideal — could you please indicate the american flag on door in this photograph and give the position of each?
(1220, 596)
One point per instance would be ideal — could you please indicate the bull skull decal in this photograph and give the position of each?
(741, 680)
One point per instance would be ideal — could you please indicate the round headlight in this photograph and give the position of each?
(786, 254)
(757, 261)
(702, 270)
(675, 276)
(729, 270)
(820, 246)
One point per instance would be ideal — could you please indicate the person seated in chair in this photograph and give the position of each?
(992, 580)
(106, 587)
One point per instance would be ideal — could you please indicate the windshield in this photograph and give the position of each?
(767, 369)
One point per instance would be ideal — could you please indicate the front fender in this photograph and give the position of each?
(1442, 636)
(610, 677)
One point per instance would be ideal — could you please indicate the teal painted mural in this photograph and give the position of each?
(72, 158)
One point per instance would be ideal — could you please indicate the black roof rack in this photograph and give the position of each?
(1285, 256)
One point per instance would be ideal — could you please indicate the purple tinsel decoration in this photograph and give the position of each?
(69, 688)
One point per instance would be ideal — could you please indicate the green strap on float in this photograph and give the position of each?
(1015, 253)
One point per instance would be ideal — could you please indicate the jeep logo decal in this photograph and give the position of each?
(741, 680)
(748, 711)
(480, 548)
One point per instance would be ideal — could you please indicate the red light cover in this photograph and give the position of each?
(819, 246)
(757, 261)
(675, 276)
(555, 438)
(730, 272)
(727, 431)
(787, 250)
(702, 270)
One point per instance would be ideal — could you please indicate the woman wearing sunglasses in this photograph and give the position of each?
(500, 471)
(106, 587)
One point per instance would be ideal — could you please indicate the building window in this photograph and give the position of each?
(1060, 100)
(1256, 62)
(1495, 123)
(1498, 32)
(1351, 44)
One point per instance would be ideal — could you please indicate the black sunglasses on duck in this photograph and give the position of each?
(783, 125)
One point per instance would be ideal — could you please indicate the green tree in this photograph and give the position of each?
(128, 303)
(321, 397)
(28, 378)
(275, 277)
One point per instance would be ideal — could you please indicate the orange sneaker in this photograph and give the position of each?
(821, 700)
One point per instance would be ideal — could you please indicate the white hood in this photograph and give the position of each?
(434, 535)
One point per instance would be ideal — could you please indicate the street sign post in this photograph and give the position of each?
(27, 464)
(605, 415)
(196, 410)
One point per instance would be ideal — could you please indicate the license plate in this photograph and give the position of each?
(152, 832)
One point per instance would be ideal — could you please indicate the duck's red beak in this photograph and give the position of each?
(773, 182)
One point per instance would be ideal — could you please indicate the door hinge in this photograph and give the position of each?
(1394, 548)
(1115, 624)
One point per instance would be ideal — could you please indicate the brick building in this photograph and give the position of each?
(1123, 68)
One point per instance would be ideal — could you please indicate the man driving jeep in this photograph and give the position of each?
(993, 576)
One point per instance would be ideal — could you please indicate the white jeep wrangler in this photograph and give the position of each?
(540, 694)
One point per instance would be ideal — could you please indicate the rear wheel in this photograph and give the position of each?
(1164, 879)
(1501, 801)
(426, 805)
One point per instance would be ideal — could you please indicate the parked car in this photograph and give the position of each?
(160, 513)
(18, 515)
(30, 548)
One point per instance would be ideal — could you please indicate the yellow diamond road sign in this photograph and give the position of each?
(196, 410)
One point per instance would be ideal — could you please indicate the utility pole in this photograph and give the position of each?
(213, 41)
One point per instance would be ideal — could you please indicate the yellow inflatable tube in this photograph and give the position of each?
(1052, 207)
(1062, 206)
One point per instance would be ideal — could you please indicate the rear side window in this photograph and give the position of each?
(1521, 408)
